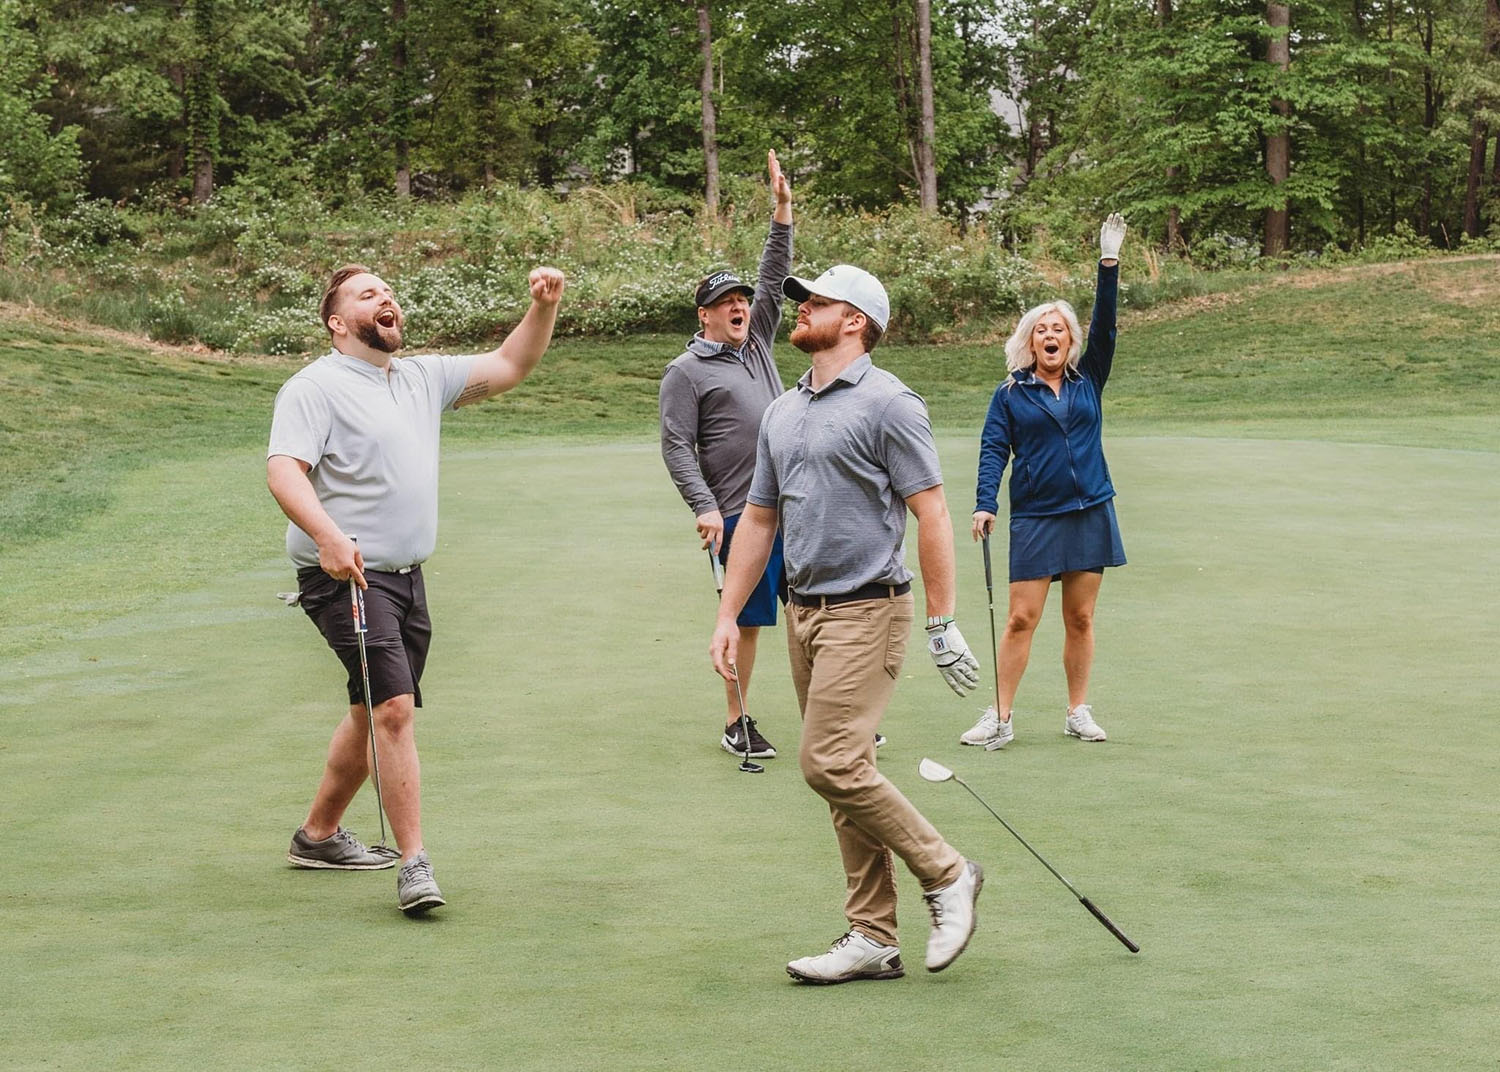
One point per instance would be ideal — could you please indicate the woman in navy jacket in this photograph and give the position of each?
(1046, 420)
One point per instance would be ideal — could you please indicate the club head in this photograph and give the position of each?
(746, 767)
(934, 771)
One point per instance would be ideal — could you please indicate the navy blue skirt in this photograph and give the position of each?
(1062, 543)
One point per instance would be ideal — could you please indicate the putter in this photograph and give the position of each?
(357, 608)
(746, 767)
(936, 772)
(989, 587)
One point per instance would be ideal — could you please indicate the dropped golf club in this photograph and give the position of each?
(936, 772)
(746, 767)
(357, 608)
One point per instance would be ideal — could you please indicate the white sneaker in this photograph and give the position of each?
(953, 916)
(990, 731)
(852, 957)
(1080, 723)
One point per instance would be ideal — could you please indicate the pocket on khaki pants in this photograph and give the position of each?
(895, 644)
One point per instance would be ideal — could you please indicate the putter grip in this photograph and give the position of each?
(1102, 918)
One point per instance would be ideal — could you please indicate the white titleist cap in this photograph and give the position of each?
(845, 283)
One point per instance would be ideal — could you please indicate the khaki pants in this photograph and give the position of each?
(845, 659)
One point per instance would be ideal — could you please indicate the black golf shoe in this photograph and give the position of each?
(733, 741)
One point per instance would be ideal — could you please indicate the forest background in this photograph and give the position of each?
(193, 169)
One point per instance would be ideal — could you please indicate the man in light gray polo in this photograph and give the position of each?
(354, 456)
(840, 460)
(712, 398)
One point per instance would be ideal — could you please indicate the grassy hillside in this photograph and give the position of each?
(1405, 353)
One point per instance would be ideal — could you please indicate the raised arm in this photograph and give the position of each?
(1099, 355)
(502, 368)
(775, 259)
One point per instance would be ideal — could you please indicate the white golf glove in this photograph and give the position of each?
(1111, 237)
(951, 653)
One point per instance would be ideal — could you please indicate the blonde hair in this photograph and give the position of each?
(1018, 353)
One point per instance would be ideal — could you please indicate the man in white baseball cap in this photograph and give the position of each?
(845, 283)
(840, 459)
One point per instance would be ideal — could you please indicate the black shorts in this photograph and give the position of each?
(397, 629)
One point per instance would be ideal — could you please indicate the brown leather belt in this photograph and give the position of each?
(869, 591)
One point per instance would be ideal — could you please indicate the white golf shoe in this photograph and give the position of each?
(1080, 723)
(852, 957)
(990, 731)
(953, 916)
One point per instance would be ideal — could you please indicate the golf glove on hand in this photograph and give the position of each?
(951, 653)
(1111, 237)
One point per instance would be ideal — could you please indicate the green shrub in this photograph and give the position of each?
(244, 272)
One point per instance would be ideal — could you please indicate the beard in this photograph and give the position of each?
(369, 333)
(811, 340)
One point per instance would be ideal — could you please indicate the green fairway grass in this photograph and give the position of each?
(1294, 814)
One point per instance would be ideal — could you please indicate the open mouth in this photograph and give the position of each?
(1051, 349)
(386, 318)
(736, 321)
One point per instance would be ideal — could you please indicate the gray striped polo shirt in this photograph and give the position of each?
(838, 465)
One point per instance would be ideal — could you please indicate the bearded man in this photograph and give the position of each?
(840, 459)
(353, 457)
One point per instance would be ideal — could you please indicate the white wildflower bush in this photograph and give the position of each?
(289, 330)
(245, 271)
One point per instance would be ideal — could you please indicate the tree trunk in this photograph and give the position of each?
(1479, 131)
(1174, 213)
(203, 115)
(1479, 136)
(710, 134)
(1429, 121)
(401, 102)
(927, 131)
(903, 90)
(203, 178)
(1278, 142)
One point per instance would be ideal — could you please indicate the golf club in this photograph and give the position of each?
(936, 772)
(989, 588)
(746, 767)
(357, 608)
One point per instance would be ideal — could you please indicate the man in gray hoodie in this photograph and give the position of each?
(712, 399)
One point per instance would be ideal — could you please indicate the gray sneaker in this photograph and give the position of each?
(416, 890)
(341, 851)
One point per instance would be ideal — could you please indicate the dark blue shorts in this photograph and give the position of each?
(760, 608)
(1081, 540)
(397, 629)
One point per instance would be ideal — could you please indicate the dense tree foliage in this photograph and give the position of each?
(39, 160)
(1215, 125)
